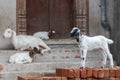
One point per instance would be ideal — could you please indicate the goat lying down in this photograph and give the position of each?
(44, 34)
(90, 43)
(41, 35)
(23, 57)
(23, 42)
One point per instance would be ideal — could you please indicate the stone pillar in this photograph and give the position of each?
(21, 17)
(82, 15)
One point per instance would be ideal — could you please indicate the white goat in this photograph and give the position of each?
(91, 43)
(23, 42)
(23, 57)
(44, 34)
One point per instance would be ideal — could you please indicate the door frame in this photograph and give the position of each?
(21, 17)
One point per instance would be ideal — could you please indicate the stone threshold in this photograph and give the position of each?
(60, 41)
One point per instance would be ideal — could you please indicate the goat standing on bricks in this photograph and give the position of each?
(92, 43)
(23, 42)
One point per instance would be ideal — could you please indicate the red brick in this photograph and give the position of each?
(71, 73)
(117, 72)
(58, 72)
(62, 72)
(95, 72)
(89, 72)
(67, 57)
(113, 72)
(83, 73)
(1, 67)
(89, 78)
(83, 79)
(117, 78)
(63, 78)
(112, 79)
(21, 78)
(67, 50)
(51, 78)
(106, 72)
(77, 73)
(77, 56)
(29, 78)
(67, 72)
(98, 73)
(99, 79)
(101, 73)
(75, 79)
(41, 78)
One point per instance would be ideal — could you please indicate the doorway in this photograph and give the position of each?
(46, 15)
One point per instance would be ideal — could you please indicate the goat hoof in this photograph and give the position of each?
(102, 66)
(81, 67)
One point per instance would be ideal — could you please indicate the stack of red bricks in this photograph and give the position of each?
(80, 74)
(90, 73)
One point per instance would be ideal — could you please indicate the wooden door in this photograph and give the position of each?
(37, 16)
(61, 17)
(45, 15)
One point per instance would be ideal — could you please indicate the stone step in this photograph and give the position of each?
(45, 66)
(56, 55)
(61, 56)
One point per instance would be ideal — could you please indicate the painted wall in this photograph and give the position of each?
(95, 27)
(114, 19)
(7, 17)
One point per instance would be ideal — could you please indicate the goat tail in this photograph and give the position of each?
(110, 41)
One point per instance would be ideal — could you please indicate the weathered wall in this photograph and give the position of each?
(95, 27)
(115, 26)
(7, 17)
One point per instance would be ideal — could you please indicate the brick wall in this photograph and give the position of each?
(80, 74)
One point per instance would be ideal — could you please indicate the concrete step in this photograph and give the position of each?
(58, 58)
(56, 55)
(46, 66)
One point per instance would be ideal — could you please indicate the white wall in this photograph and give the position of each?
(7, 17)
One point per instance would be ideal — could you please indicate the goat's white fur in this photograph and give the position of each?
(22, 42)
(21, 58)
(91, 43)
(41, 35)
